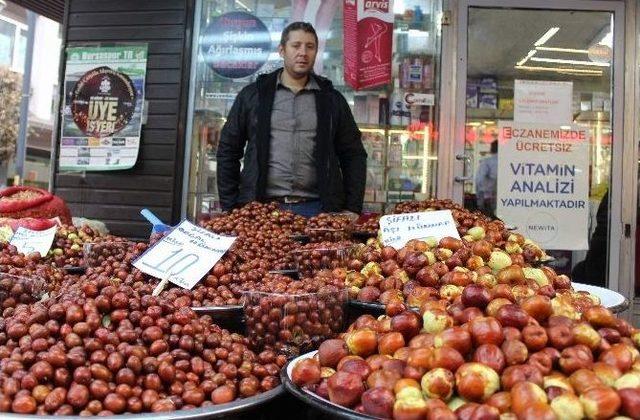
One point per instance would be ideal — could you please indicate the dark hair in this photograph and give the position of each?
(297, 26)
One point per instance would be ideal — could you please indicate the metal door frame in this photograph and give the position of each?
(453, 116)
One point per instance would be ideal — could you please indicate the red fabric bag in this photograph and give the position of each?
(21, 201)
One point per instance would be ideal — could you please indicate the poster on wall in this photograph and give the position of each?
(102, 115)
(542, 101)
(235, 45)
(543, 182)
(368, 39)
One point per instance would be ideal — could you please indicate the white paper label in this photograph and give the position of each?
(398, 229)
(185, 255)
(29, 241)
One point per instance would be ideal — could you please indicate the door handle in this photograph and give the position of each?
(466, 164)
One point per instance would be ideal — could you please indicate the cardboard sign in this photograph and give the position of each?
(398, 229)
(543, 183)
(29, 241)
(185, 255)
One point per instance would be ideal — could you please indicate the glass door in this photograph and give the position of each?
(538, 126)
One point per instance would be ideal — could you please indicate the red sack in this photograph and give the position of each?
(21, 201)
(28, 223)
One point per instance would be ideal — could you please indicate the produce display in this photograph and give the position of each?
(329, 227)
(296, 319)
(476, 327)
(67, 248)
(316, 256)
(483, 357)
(261, 229)
(115, 349)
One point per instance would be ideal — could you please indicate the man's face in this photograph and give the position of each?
(299, 53)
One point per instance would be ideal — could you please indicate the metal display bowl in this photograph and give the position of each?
(215, 411)
(314, 400)
(610, 299)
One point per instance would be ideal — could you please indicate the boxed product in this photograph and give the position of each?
(368, 39)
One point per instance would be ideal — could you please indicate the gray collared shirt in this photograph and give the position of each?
(292, 167)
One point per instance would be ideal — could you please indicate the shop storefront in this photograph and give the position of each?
(461, 75)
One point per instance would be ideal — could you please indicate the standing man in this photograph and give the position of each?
(300, 143)
(487, 181)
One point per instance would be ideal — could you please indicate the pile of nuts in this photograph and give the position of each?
(329, 227)
(115, 349)
(369, 225)
(315, 256)
(423, 269)
(294, 320)
(67, 248)
(264, 233)
(29, 266)
(483, 356)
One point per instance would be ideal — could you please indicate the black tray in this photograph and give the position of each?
(373, 308)
(293, 273)
(362, 235)
(303, 239)
(219, 311)
(74, 270)
(314, 400)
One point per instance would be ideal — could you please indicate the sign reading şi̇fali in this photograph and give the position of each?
(543, 182)
(102, 115)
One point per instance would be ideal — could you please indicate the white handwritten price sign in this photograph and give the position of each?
(398, 229)
(185, 255)
(29, 241)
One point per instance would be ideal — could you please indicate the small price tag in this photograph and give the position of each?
(398, 229)
(29, 241)
(185, 255)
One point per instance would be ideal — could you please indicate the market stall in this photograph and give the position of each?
(469, 322)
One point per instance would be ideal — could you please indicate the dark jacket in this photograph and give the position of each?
(340, 157)
(593, 269)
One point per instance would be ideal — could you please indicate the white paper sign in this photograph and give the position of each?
(543, 183)
(185, 255)
(398, 229)
(541, 101)
(29, 241)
